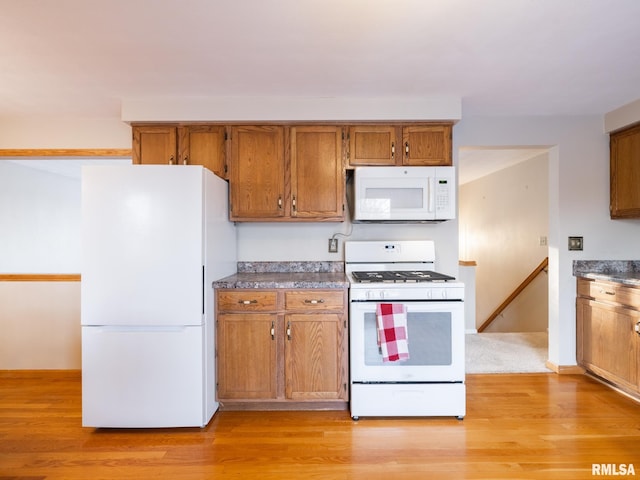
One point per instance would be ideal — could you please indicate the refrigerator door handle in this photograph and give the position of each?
(138, 329)
(203, 277)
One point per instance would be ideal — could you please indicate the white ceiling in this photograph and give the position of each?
(475, 163)
(501, 57)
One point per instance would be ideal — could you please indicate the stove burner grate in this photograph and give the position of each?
(400, 276)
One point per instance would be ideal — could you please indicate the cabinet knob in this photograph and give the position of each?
(637, 328)
(171, 160)
(185, 160)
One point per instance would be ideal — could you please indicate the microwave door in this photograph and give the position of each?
(380, 199)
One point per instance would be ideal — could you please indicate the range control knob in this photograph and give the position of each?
(375, 294)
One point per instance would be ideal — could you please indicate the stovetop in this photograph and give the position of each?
(400, 276)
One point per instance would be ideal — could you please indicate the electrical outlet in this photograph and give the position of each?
(333, 245)
(543, 241)
(575, 243)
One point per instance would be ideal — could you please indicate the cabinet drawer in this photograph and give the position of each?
(609, 292)
(247, 300)
(314, 300)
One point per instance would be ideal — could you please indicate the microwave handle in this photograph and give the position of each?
(432, 194)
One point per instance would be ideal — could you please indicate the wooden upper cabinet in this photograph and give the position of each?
(372, 145)
(203, 145)
(257, 173)
(426, 145)
(181, 145)
(625, 173)
(389, 145)
(317, 173)
(155, 145)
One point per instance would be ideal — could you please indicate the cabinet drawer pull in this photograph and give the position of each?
(314, 302)
(406, 149)
(637, 328)
(393, 150)
(185, 160)
(273, 331)
(280, 203)
(607, 292)
(247, 302)
(288, 330)
(171, 160)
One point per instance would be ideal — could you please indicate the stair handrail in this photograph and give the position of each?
(543, 265)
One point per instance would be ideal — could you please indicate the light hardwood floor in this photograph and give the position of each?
(529, 426)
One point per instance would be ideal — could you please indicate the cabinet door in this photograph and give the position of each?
(427, 145)
(372, 145)
(154, 145)
(314, 357)
(625, 174)
(317, 173)
(246, 359)
(257, 173)
(609, 344)
(203, 145)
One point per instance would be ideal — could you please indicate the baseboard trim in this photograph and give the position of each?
(564, 369)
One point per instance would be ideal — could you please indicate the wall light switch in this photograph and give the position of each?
(575, 243)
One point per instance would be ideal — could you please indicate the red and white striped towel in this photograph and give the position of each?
(392, 331)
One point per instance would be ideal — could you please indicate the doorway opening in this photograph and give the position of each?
(503, 231)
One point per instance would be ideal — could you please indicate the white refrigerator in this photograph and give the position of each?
(154, 238)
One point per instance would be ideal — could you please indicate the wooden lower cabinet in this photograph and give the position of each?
(282, 349)
(247, 356)
(313, 357)
(608, 342)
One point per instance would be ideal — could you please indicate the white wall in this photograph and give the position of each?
(40, 218)
(39, 221)
(40, 325)
(578, 204)
(63, 132)
(502, 217)
(300, 241)
(578, 196)
(40, 232)
(528, 312)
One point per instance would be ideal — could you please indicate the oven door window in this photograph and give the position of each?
(429, 335)
(435, 332)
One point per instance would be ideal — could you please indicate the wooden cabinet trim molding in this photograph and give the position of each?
(57, 153)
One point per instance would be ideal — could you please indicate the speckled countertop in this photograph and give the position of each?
(286, 275)
(626, 272)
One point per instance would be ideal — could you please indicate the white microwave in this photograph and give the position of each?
(404, 194)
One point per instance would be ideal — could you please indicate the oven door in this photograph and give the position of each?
(435, 332)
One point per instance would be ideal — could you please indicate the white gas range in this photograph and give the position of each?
(399, 275)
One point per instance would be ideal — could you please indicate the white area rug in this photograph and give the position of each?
(506, 352)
